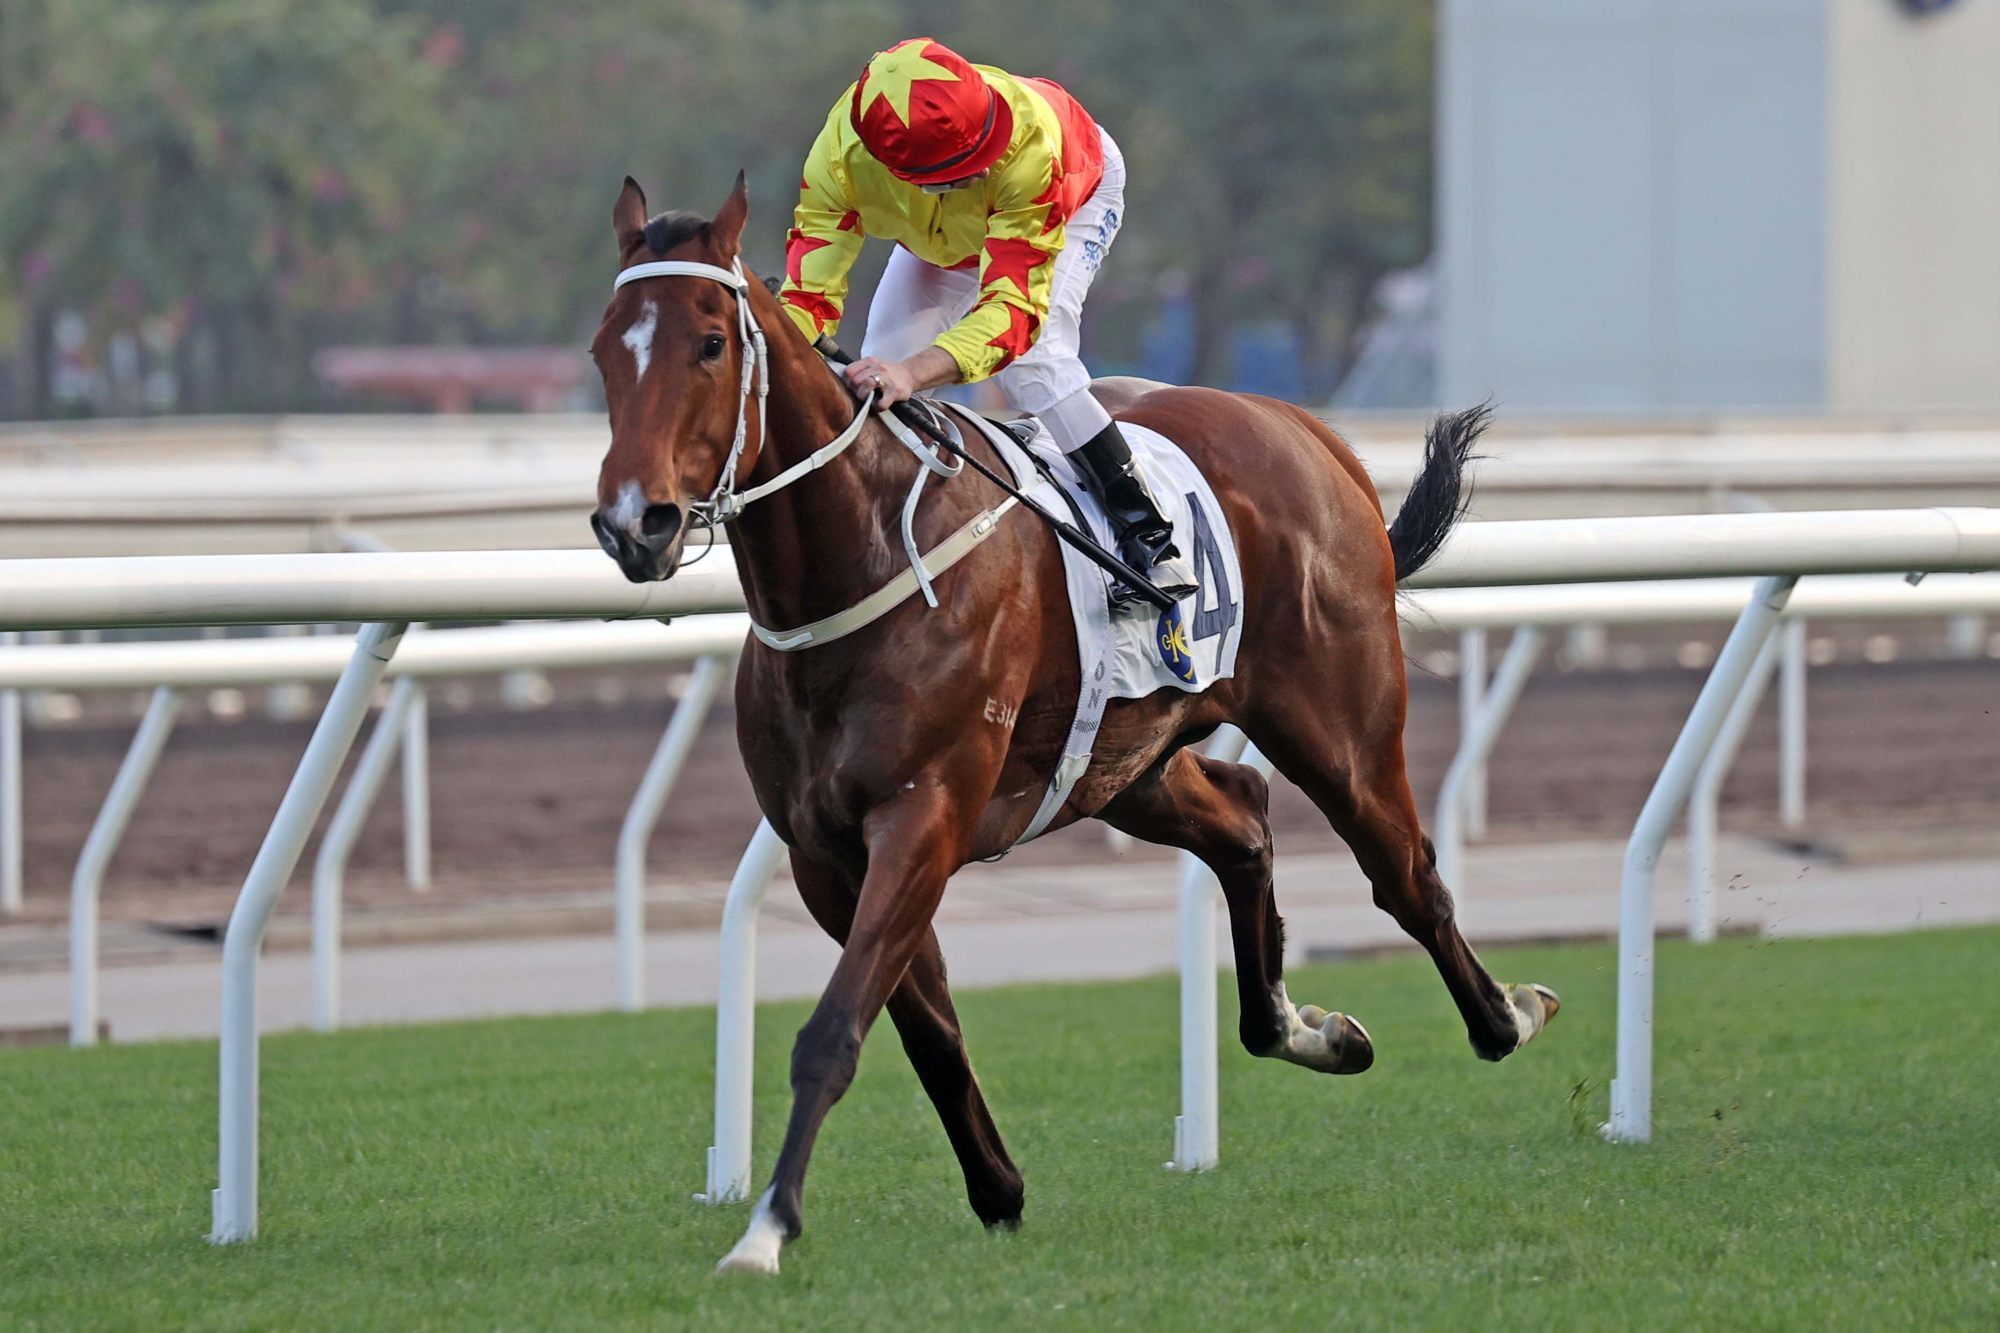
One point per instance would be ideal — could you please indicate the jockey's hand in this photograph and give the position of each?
(892, 380)
(898, 380)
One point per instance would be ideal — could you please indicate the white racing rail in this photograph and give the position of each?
(1532, 610)
(711, 642)
(1478, 561)
(387, 591)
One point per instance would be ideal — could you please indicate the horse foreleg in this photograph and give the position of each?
(1217, 811)
(913, 846)
(928, 1024)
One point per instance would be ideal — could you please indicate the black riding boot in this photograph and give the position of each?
(1145, 538)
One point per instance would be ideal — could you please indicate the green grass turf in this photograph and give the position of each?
(1826, 1154)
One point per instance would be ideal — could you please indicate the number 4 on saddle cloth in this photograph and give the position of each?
(1130, 656)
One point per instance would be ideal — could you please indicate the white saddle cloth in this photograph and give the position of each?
(1120, 655)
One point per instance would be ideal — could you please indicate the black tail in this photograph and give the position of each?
(1439, 495)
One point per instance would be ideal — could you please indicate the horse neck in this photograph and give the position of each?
(819, 545)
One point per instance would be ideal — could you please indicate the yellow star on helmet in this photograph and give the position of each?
(892, 73)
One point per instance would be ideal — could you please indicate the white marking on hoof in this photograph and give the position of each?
(1315, 1037)
(1524, 1026)
(639, 338)
(1531, 1019)
(757, 1252)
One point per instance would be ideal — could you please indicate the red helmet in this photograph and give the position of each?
(926, 114)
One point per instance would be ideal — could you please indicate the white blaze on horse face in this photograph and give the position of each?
(629, 507)
(640, 337)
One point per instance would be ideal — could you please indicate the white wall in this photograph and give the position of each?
(1631, 202)
(1913, 254)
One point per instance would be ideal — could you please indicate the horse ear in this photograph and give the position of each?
(727, 224)
(628, 215)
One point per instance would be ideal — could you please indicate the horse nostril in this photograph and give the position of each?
(660, 524)
(607, 536)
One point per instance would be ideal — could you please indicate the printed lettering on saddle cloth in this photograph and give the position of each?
(1215, 606)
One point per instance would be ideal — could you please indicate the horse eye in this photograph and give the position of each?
(711, 347)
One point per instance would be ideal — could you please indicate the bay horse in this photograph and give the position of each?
(889, 758)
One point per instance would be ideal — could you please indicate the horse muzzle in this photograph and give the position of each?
(646, 540)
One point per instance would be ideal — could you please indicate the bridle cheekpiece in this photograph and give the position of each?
(723, 502)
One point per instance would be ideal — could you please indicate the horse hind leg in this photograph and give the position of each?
(928, 1024)
(1216, 810)
(1371, 807)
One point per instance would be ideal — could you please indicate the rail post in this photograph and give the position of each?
(1632, 1088)
(1792, 727)
(1448, 830)
(736, 1019)
(1197, 1129)
(1707, 795)
(234, 1202)
(337, 845)
(10, 791)
(1472, 693)
(662, 771)
(417, 788)
(87, 883)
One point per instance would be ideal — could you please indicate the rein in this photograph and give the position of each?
(725, 503)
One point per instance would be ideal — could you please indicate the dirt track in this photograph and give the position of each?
(530, 802)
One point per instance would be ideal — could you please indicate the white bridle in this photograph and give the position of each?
(725, 502)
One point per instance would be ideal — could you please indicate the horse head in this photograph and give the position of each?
(675, 350)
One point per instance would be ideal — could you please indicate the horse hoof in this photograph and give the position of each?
(749, 1258)
(1328, 1042)
(1533, 1005)
(1353, 1048)
(757, 1252)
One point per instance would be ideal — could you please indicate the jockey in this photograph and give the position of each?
(1002, 196)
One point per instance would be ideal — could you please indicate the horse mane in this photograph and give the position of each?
(672, 228)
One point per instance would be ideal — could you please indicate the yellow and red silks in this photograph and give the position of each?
(1010, 225)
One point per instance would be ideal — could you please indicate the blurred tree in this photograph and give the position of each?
(237, 166)
(681, 94)
(269, 175)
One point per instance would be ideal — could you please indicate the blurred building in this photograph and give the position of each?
(1651, 205)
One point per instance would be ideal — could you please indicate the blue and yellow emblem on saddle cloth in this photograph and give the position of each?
(1170, 637)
